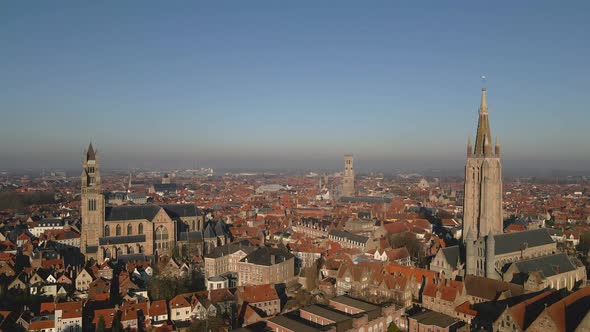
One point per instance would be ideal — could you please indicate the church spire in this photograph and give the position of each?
(483, 125)
(91, 154)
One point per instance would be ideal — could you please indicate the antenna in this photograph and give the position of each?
(484, 80)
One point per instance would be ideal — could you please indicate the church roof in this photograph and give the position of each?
(91, 154)
(451, 255)
(549, 265)
(181, 210)
(131, 212)
(513, 242)
(148, 212)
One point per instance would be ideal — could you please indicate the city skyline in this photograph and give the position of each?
(397, 86)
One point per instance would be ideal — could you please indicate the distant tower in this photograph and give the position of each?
(166, 179)
(92, 202)
(483, 181)
(348, 179)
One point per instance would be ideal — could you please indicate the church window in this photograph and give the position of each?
(92, 205)
(140, 229)
(118, 230)
(129, 229)
(161, 234)
(107, 231)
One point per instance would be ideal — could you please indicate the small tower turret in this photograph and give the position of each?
(469, 147)
(497, 148)
(490, 256)
(487, 148)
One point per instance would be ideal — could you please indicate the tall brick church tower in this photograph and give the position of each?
(483, 181)
(92, 203)
(482, 215)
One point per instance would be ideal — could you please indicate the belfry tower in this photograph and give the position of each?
(92, 202)
(348, 179)
(483, 181)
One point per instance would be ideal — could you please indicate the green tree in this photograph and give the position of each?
(100, 326)
(393, 328)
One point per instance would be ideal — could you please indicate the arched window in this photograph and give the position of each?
(119, 252)
(130, 250)
(140, 249)
(118, 230)
(161, 234)
(140, 229)
(107, 231)
(107, 253)
(129, 229)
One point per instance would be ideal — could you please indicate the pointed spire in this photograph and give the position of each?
(483, 106)
(91, 154)
(486, 147)
(483, 125)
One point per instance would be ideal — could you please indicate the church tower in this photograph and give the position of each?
(92, 202)
(482, 206)
(348, 179)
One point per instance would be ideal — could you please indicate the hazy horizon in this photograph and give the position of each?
(262, 85)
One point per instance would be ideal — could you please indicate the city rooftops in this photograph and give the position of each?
(434, 318)
(358, 304)
(327, 313)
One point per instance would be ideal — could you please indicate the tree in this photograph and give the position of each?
(100, 326)
(393, 328)
(584, 244)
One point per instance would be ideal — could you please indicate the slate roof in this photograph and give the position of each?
(164, 187)
(513, 242)
(51, 222)
(231, 248)
(451, 255)
(326, 313)
(349, 236)
(131, 212)
(548, 265)
(292, 324)
(349, 301)
(181, 210)
(262, 256)
(434, 318)
(122, 239)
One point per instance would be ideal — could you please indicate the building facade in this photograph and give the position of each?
(114, 232)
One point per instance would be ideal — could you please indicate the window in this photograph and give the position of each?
(118, 230)
(161, 234)
(129, 229)
(107, 231)
(92, 204)
(140, 229)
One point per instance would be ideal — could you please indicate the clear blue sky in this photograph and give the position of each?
(255, 84)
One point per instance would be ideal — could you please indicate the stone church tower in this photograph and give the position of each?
(348, 179)
(92, 202)
(483, 181)
(482, 217)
